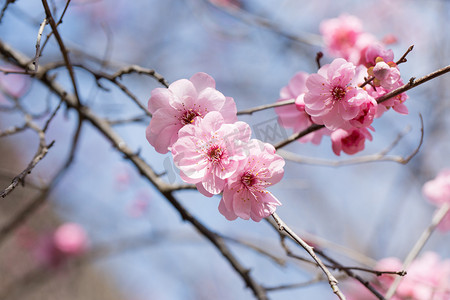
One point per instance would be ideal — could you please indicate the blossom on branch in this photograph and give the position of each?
(245, 195)
(349, 141)
(331, 99)
(180, 104)
(294, 115)
(208, 151)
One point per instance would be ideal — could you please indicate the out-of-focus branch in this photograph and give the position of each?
(251, 19)
(381, 156)
(5, 7)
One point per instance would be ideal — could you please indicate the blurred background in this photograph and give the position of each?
(143, 250)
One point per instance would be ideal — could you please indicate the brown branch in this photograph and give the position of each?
(413, 83)
(319, 56)
(298, 135)
(403, 58)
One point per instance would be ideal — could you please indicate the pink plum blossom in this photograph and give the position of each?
(245, 195)
(350, 141)
(330, 99)
(180, 104)
(208, 151)
(437, 191)
(294, 115)
(367, 112)
(341, 34)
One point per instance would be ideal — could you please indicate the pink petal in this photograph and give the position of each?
(202, 81)
(230, 215)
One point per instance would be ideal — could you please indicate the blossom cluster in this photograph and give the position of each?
(214, 151)
(427, 278)
(342, 95)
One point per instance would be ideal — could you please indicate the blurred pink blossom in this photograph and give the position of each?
(349, 141)
(344, 37)
(140, 204)
(427, 278)
(180, 104)
(208, 151)
(245, 195)
(70, 239)
(437, 191)
(13, 85)
(294, 115)
(66, 241)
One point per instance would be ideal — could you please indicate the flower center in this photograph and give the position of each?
(215, 153)
(338, 93)
(248, 179)
(188, 116)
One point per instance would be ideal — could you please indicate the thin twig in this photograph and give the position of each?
(282, 227)
(38, 45)
(298, 135)
(403, 58)
(63, 49)
(265, 106)
(351, 274)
